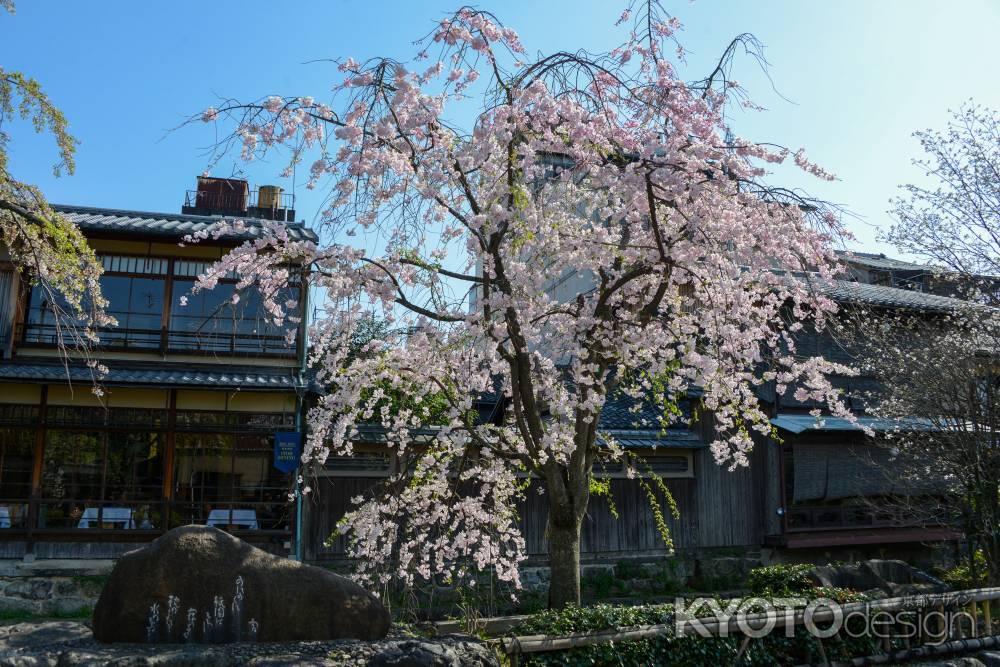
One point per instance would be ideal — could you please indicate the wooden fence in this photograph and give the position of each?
(973, 606)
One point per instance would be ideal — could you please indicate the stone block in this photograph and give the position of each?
(202, 584)
(21, 605)
(29, 588)
(734, 567)
(596, 569)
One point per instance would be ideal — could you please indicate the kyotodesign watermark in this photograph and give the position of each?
(920, 617)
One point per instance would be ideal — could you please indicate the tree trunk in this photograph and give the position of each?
(564, 560)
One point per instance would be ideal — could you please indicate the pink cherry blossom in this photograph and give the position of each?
(597, 227)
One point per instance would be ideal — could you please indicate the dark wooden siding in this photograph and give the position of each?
(324, 507)
(634, 531)
(728, 503)
(718, 508)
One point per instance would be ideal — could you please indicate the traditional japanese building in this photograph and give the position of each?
(197, 388)
(811, 490)
(197, 394)
(824, 478)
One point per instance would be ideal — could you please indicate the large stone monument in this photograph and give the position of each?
(198, 584)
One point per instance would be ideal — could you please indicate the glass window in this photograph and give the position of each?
(254, 475)
(98, 477)
(211, 321)
(101, 479)
(229, 481)
(71, 476)
(203, 322)
(134, 468)
(17, 447)
(41, 319)
(137, 304)
(203, 467)
(129, 264)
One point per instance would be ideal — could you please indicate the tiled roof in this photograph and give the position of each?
(880, 261)
(626, 413)
(845, 291)
(167, 225)
(244, 378)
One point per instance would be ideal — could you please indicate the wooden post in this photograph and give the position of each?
(987, 617)
(168, 298)
(36, 472)
(822, 653)
(168, 459)
(973, 612)
(743, 649)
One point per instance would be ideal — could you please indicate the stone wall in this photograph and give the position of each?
(51, 588)
(660, 577)
(49, 595)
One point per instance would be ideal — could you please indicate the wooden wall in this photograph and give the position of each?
(728, 503)
(718, 508)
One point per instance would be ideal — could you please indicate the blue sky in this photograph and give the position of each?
(855, 78)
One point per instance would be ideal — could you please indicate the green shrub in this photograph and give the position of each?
(780, 580)
(596, 617)
(658, 651)
(671, 651)
(961, 576)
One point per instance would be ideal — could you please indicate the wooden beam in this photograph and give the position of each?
(36, 470)
(168, 459)
(168, 291)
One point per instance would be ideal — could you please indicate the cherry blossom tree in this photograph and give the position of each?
(49, 250)
(594, 226)
(941, 370)
(954, 221)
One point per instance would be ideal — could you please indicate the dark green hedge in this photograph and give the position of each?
(780, 580)
(687, 651)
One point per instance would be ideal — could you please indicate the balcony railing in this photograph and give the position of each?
(165, 340)
(836, 517)
(250, 204)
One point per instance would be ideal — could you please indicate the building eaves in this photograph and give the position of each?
(880, 261)
(674, 438)
(800, 423)
(167, 225)
(844, 291)
(622, 412)
(229, 378)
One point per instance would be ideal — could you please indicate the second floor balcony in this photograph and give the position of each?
(157, 310)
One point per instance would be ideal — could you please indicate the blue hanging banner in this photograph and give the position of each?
(287, 450)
